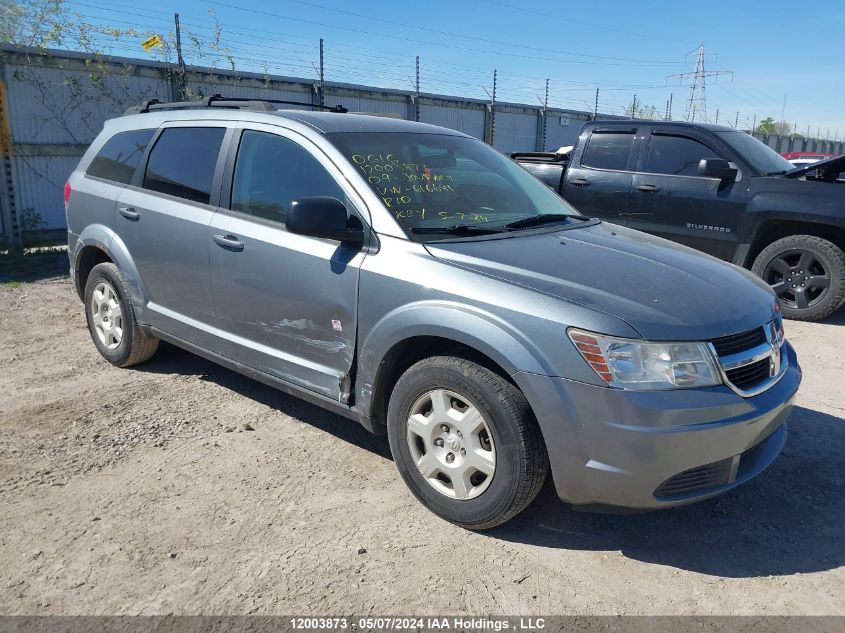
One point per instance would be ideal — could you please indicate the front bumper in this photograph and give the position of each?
(654, 449)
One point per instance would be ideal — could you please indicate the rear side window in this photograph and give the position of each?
(272, 171)
(120, 156)
(182, 162)
(676, 155)
(608, 150)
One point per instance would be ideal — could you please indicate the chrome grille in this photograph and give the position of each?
(747, 376)
(751, 361)
(739, 342)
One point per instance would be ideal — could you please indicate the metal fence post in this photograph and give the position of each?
(11, 226)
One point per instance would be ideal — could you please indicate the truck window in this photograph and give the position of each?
(608, 149)
(119, 157)
(272, 171)
(182, 162)
(676, 155)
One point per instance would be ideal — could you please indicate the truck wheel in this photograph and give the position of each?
(111, 319)
(807, 273)
(466, 442)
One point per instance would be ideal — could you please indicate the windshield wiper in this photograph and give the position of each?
(777, 173)
(536, 220)
(455, 229)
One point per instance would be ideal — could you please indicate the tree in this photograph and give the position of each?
(766, 127)
(770, 127)
(641, 111)
(93, 88)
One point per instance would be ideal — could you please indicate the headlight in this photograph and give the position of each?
(634, 364)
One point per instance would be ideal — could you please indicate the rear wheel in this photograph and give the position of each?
(111, 319)
(807, 273)
(465, 441)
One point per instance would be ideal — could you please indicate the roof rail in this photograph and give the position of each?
(233, 103)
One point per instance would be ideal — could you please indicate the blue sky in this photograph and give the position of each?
(774, 48)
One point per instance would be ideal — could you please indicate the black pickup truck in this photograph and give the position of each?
(716, 189)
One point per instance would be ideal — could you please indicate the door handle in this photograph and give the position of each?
(129, 213)
(229, 242)
(648, 188)
(580, 182)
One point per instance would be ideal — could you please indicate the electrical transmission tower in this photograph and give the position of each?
(697, 101)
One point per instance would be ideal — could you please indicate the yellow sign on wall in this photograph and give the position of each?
(151, 43)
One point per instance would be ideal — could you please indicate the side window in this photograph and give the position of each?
(272, 171)
(608, 150)
(676, 155)
(182, 162)
(119, 157)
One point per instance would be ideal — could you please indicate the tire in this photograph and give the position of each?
(488, 496)
(111, 319)
(804, 259)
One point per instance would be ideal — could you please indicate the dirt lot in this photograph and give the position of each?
(139, 491)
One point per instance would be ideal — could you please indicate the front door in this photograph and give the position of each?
(598, 180)
(671, 200)
(284, 304)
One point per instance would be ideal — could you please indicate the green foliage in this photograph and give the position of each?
(770, 127)
(31, 225)
(45, 24)
(103, 88)
(767, 126)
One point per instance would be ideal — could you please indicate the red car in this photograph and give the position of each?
(802, 159)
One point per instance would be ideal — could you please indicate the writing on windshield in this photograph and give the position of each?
(431, 181)
(398, 181)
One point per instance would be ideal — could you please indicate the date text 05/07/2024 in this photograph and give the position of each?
(430, 623)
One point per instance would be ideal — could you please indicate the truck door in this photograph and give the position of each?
(598, 180)
(671, 200)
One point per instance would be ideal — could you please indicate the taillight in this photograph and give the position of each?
(67, 194)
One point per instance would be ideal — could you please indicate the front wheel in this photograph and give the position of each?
(807, 273)
(465, 441)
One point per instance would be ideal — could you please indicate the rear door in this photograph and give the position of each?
(163, 219)
(671, 200)
(284, 304)
(598, 180)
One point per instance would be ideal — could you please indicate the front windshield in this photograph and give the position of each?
(760, 156)
(434, 182)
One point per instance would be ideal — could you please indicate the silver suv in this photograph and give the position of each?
(414, 280)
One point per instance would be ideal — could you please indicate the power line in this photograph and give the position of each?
(465, 36)
(405, 38)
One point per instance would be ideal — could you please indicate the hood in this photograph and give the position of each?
(662, 290)
(835, 164)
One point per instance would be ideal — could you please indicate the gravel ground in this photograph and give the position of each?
(181, 487)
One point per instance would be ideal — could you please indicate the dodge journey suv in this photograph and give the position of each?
(415, 280)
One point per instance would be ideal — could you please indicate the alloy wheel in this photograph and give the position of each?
(799, 278)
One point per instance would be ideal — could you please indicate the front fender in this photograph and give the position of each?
(106, 240)
(784, 200)
(466, 325)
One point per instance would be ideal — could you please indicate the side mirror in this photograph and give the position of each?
(717, 168)
(323, 216)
